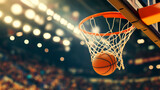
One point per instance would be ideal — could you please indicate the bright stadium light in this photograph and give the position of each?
(49, 18)
(140, 41)
(8, 19)
(42, 7)
(26, 28)
(49, 12)
(63, 21)
(67, 48)
(158, 66)
(151, 67)
(1, 14)
(76, 30)
(49, 26)
(56, 39)
(59, 32)
(26, 41)
(46, 35)
(151, 47)
(46, 50)
(39, 20)
(66, 42)
(16, 24)
(62, 59)
(36, 32)
(12, 38)
(70, 26)
(66, 9)
(2, 1)
(16, 9)
(75, 14)
(39, 45)
(30, 14)
(19, 34)
(96, 29)
(35, 2)
(57, 17)
(82, 43)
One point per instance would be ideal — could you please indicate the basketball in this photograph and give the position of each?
(104, 64)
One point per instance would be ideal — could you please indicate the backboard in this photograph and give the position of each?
(129, 8)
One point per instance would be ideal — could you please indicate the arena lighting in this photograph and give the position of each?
(16, 24)
(57, 17)
(140, 41)
(26, 28)
(75, 14)
(63, 21)
(19, 34)
(76, 30)
(46, 35)
(66, 42)
(56, 39)
(39, 45)
(59, 32)
(2, 1)
(158, 66)
(35, 2)
(39, 20)
(42, 7)
(49, 18)
(36, 32)
(12, 38)
(30, 14)
(62, 59)
(82, 42)
(67, 48)
(66, 9)
(1, 14)
(28, 3)
(26, 41)
(150, 67)
(70, 26)
(8, 19)
(50, 12)
(16, 9)
(46, 50)
(96, 29)
(151, 47)
(49, 26)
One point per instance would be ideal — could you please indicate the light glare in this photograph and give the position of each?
(16, 24)
(26, 41)
(47, 35)
(8, 19)
(30, 14)
(16, 9)
(59, 32)
(66, 42)
(42, 7)
(57, 17)
(39, 45)
(56, 39)
(140, 41)
(12, 38)
(36, 32)
(1, 14)
(26, 28)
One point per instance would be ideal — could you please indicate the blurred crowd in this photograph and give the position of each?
(29, 74)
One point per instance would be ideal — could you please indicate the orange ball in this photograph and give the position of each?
(104, 64)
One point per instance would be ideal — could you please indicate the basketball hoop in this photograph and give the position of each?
(116, 31)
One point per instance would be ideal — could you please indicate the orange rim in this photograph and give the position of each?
(105, 15)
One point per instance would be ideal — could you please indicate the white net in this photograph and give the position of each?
(108, 39)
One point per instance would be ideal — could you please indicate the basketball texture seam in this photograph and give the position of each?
(105, 66)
